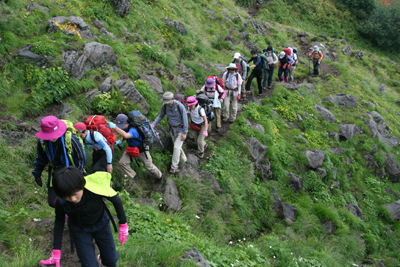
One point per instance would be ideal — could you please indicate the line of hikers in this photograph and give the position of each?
(63, 146)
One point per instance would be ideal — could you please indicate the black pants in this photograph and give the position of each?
(99, 161)
(316, 66)
(283, 71)
(255, 74)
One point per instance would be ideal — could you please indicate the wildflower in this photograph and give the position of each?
(30, 239)
(251, 246)
(240, 240)
(230, 242)
(197, 217)
(168, 220)
(36, 220)
(232, 265)
(244, 239)
(274, 257)
(270, 246)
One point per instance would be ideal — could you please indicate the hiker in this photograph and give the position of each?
(257, 71)
(241, 64)
(214, 92)
(136, 149)
(233, 83)
(178, 126)
(269, 71)
(285, 63)
(53, 147)
(81, 198)
(102, 151)
(199, 124)
(296, 60)
(317, 56)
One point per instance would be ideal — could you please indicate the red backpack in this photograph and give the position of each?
(99, 123)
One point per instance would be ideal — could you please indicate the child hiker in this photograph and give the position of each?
(199, 123)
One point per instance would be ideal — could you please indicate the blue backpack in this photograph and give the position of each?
(143, 126)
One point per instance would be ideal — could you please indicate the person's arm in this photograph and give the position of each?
(222, 91)
(58, 225)
(275, 58)
(322, 56)
(40, 162)
(122, 133)
(203, 89)
(244, 69)
(160, 116)
(119, 208)
(77, 149)
(239, 81)
(100, 139)
(205, 121)
(184, 118)
(224, 78)
(259, 60)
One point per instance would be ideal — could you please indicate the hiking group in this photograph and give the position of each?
(78, 197)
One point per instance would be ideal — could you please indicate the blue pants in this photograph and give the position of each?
(101, 233)
(268, 74)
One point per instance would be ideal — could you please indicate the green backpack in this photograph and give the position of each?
(264, 60)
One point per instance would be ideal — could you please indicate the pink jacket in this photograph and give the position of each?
(211, 92)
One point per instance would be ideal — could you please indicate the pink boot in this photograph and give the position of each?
(287, 79)
(280, 78)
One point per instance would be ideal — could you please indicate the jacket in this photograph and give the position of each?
(177, 119)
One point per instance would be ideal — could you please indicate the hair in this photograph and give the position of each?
(294, 50)
(254, 51)
(67, 181)
(269, 48)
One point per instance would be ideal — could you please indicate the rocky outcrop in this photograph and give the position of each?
(171, 196)
(154, 82)
(121, 7)
(343, 100)
(132, 94)
(348, 131)
(381, 130)
(255, 126)
(347, 50)
(192, 254)
(283, 210)
(29, 56)
(94, 55)
(265, 171)
(200, 176)
(359, 55)
(315, 158)
(394, 209)
(296, 182)
(325, 113)
(210, 13)
(355, 209)
(83, 29)
(33, 5)
(256, 149)
(392, 168)
(292, 86)
(257, 27)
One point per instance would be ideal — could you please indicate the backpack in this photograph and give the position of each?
(218, 81)
(180, 98)
(99, 123)
(265, 50)
(239, 66)
(297, 58)
(143, 126)
(68, 135)
(264, 60)
(206, 103)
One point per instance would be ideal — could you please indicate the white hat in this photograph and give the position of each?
(232, 66)
(282, 54)
(316, 48)
(236, 56)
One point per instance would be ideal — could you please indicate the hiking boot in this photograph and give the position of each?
(269, 87)
(173, 171)
(159, 180)
(218, 129)
(99, 261)
(231, 121)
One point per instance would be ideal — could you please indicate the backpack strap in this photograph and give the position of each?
(65, 152)
(111, 217)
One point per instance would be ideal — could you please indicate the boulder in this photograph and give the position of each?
(396, 83)
(121, 7)
(256, 149)
(394, 209)
(335, 136)
(264, 170)
(118, 84)
(337, 150)
(33, 5)
(106, 86)
(104, 32)
(64, 111)
(296, 182)
(193, 160)
(392, 168)
(282, 209)
(132, 94)
(255, 100)
(51, 23)
(167, 21)
(179, 27)
(29, 56)
(321, 172)
(255, 126)
(371, 163)
(171, 196)
(45, 223)
(164, 140)
(237, 18)
(250, 45)
(17, 123)
(221, 68)
(257, 27)
(347, 50)
(355, 209)
(325, 113)
(244, 35)
(94, 55)
(380, 129)
(192, 254)
(359, 55)
(12, 138)
(98, 24)
(343, 100)
(315, 157)
(82, 27)
(348, 131)
(200, 176)
(154, 82)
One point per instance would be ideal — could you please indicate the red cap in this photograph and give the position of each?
(80, 126)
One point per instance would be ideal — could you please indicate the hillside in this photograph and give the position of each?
(308, 175)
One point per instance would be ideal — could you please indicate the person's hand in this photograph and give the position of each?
(238, 97)
(152, 126)
(111, 124)
(183, 138)
(289, 66)
(38, 180)
(109, 168)
(118, 142)
(272, 64)
(284, 66)
(123, 233)
(221, 100)
(252, 66)
(197, 91)
(205, 133)
(54, 259)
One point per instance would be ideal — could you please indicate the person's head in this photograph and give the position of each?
(210, 83)
(68, 183)
(316, 48)
(254, 52)
(232, 68)
(295, 50)
(122, 121)
(51, 129)
(81, 128)
(237, 57)
(269, 49)
(282, 54)
(168, 98)
(191, 102)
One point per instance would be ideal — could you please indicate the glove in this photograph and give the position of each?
(123, 233)
(289, 66)
(54, 259)
(272, 64)
(205, 133)
(279, 65)
(111, 124)
(38, 180)
(117, 143)
(284, 66)
(238, 97)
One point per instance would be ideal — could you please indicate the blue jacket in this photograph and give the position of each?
(134, 135)
(99, 142)
(258, 62)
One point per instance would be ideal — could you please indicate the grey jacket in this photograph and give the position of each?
(177, 119)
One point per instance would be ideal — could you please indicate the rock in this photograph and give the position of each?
(335, 184)
(237, 18)
(390, 191)
(64, 111)
(343, 100)
(394, 209)
(12, 138)
(45, 223)
(396, 83)
(266, 25)
(106, 86)
(94, 55)
(330, 227)
(347, 50)
(323, 36)
(255, 126)
(200, 176)
(302, 34)
(293, 86)
(337, 150)
(256, 149)
(68, 32)
(193, 160)
(92, 93)
(264, 170)
(257, 27)
(210, 13)
(371, 163)
(244, 35)
(167, 21)
(380, 129)
(359, 55)
(325, 113)
(51, 23)
(33, 5)
(82, 27)
(118, 84)
(35, 206)
(179, 27)
(221, 68)
(31, 57)
(304, 40)
(171, 196)
(335, 136)
(104, 32)
(348, 131)
(154, 82)
(98, 24)
(282, 209)
(321, 172)
(393, 168)
(250, 45)
(315, 157)
(121, 7)
(342, 41)
(255, 100)
(296, 182)
(192, 254)
(303, 138)
(17, 123)
(299, 118)
(132, 94)
(355, 209)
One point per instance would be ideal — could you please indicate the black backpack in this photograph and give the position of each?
(142, 125)
(206, 103)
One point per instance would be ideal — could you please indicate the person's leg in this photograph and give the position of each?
(177, 139)
(265, 75)
(147, 161)
(259, 78)
(286, 75)
(83, 240)
(249, 80)
(234, 109)
(315, 62)
(200, 140)
(51, 197)
(125, 163)
(105, 242)
(101, 161)
(217, 113)
(280, 71)
(291, 74)
(270, 76)
(244, 92)
(227, 100)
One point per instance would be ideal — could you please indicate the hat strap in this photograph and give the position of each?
(65, 152)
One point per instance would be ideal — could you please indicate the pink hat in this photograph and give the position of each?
(191, 100)
(80, 126)
(210, 82)
(51, 128)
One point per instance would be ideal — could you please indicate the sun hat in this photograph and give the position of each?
(316, 48)
(167, 97)
(209, 82)
(236, 56)
(121, 120)
(80, 126)
(51, 128)
(232, 66)
(100, 183)
(191, 100)
(281, 54)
